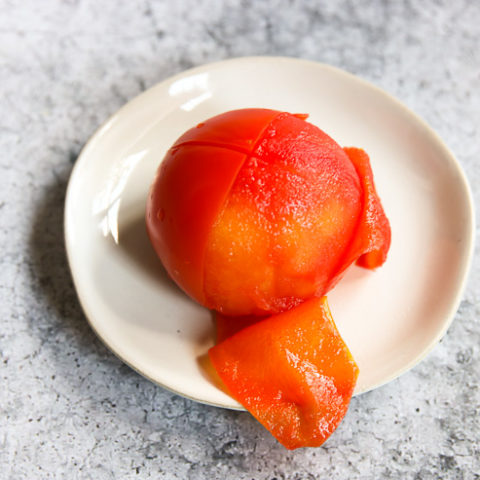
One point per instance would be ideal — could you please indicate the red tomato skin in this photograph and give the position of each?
(182, 205)
(236, 130)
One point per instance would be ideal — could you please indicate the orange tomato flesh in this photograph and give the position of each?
(286, 222)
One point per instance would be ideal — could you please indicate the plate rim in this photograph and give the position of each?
(465, 266)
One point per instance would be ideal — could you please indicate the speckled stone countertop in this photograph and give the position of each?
(69, 408)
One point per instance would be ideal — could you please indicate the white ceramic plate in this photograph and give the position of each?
(389, 318)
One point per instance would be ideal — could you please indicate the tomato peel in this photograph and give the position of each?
(374, 228)
(292, 371)
(372, 237)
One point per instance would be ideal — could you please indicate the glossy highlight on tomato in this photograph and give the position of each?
(255, 211)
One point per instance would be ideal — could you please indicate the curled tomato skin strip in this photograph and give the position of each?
(374, 235)
(371, 239)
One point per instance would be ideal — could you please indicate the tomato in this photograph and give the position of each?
(255, 211)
